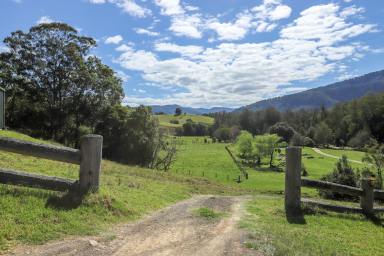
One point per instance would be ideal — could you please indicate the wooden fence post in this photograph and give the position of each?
(90, 166)
(367, 199)
(293, 181)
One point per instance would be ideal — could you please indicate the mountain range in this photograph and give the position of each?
(326, 96)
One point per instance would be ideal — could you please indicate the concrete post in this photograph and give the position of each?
(90, 166)
(293, 181)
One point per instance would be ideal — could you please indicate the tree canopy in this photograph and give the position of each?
(54, 86)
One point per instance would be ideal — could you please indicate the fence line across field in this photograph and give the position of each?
(294, 182)
(88, 157)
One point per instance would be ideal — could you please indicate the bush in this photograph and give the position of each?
(323, 134)
(244, 144)
(173, 121)
(342, 174)
(130, 135)
(223, 134)
(308, 142)
(360, 139)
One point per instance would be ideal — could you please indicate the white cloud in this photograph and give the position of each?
(139, 90)
(97, 1)
(146, 32)
(124, 48)
(44, 19)
(352, 10)
(232, 31)
(230, 74)
(122, 75)
(191, 8)
(188, 50)
(272, 10)
(325, 23)
(128, 6)
(113, 39)
(170, 7)
(261, 18)
(187, 25)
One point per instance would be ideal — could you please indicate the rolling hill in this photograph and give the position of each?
(326, 96)
(170, 109)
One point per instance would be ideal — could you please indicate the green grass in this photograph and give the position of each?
(31, 216)
(165, 120)
(351, 154)
(20, 136)
(209, 160)
(208, 213)
(324, 233)
(196, 158)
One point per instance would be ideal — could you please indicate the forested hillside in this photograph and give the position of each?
(326, 96)
(356, 123)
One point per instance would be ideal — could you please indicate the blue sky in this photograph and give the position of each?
(218, 52)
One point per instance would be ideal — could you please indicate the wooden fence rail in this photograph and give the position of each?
(88, 157)
(242, 170)
(294, 182)
(325, 185)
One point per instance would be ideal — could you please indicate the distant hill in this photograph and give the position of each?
(326, 96)
(170, 109)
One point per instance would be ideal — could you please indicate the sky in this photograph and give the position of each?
(206, 53)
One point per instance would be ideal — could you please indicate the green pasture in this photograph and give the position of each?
(165, 120)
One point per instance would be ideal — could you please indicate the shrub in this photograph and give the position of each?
(308, 142)
(244, 144)
(323, 134)
(342, 174)
(174, 121)
(360, 139)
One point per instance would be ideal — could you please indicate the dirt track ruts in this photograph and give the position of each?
(176, 230)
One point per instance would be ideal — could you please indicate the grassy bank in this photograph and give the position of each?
(127, 193)
(324, 233)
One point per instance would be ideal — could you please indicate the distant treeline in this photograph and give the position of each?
(357, 123)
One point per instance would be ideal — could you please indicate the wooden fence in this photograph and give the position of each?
(294, 182)
(88, 157)
(239, 166)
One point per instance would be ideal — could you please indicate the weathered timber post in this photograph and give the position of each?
(90, 166)
(367, 199)
(293, 181)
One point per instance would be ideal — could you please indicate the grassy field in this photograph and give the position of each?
(165, 120)
(351, 154)
(323, 233)
(199, 159)
(127, 193)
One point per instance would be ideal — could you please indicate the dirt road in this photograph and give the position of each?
(176, 230)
